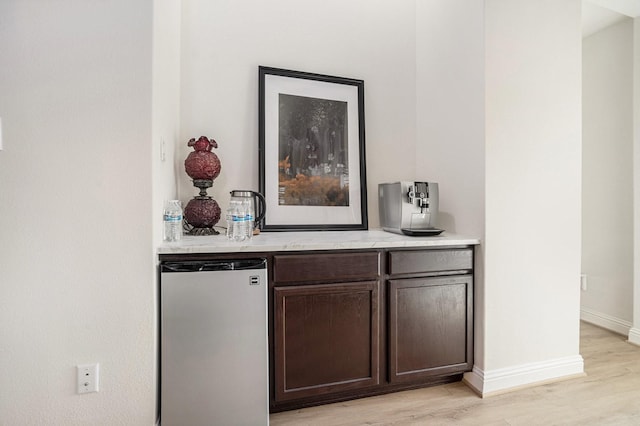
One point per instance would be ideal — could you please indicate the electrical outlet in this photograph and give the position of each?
(88, 378)
(163, 150)
(583, 282)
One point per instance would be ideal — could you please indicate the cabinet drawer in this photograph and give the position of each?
(325, 267)
(420, 261)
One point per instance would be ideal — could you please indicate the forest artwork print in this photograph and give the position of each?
(312, 152)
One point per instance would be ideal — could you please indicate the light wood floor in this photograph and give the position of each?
(608, 395)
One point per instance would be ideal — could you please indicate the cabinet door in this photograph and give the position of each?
(430, 327)
(326, 338)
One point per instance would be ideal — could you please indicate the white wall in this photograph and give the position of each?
(76, 249)
(634, 333)
(165, 107)
(224, 42)
(607, 243)
(533, 181)
(450, 109)
(450, 122)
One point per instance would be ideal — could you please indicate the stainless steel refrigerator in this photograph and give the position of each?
(213, 343)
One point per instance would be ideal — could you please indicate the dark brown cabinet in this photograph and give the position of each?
(430, 307)
(358, 323)
(326, 313)
(430, 322)
(326, 338)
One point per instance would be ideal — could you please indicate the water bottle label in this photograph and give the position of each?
(172, 218)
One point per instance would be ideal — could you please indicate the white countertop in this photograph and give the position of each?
(319, 240)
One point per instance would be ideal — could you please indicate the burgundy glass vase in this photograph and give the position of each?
(202, 213)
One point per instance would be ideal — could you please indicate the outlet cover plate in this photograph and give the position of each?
(88, 378)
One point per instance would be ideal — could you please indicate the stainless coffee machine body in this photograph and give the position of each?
(409, 208)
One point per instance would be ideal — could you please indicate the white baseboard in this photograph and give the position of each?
(608, 322)
(487, 383)
(634, 336)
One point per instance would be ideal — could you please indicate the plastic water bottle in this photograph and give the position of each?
(172, 221)
(239, 223)
(230, 211)
(248, 218)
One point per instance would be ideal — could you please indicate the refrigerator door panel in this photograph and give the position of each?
(214, 368)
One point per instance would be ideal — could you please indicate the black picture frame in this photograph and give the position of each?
(311, 151)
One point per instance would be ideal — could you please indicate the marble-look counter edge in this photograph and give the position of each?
(301, 241)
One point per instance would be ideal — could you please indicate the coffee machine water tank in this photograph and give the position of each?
(409, 208)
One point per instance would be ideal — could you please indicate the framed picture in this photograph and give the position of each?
(312, 152)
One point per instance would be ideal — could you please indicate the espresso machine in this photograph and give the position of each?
(409, 208)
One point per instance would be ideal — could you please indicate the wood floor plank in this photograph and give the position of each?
(608, 395)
